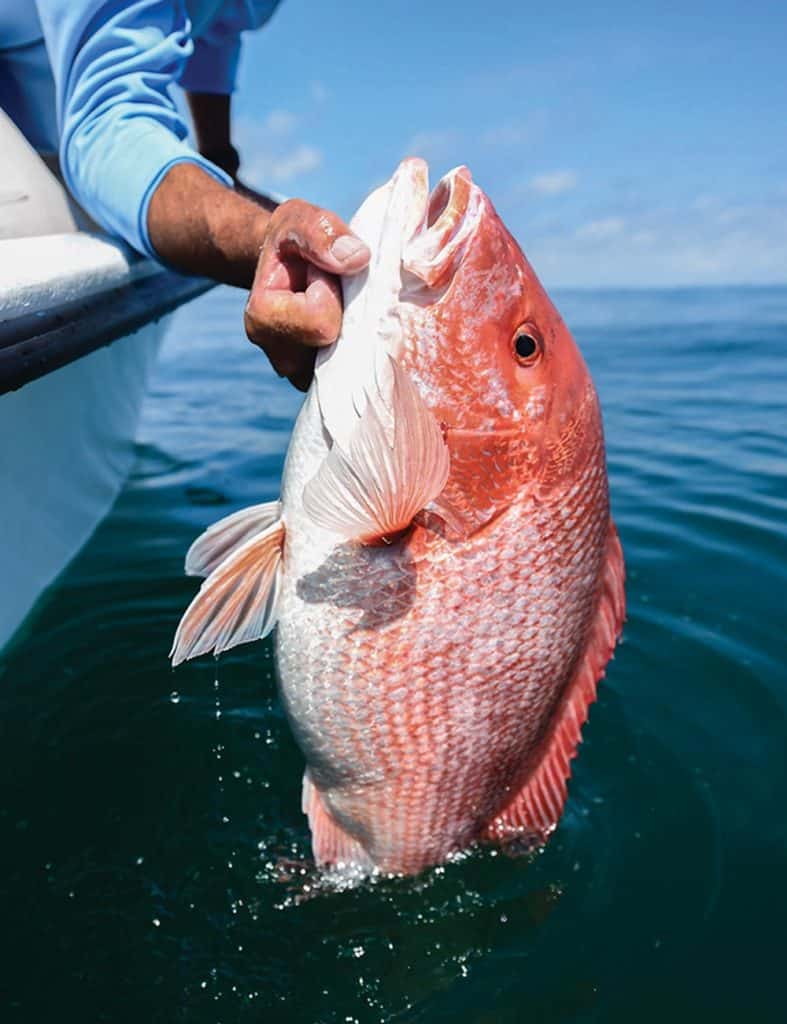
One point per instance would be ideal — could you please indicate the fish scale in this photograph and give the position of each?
(349, 702)
(442, 571)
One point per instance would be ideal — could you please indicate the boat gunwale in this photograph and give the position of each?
(35, 344)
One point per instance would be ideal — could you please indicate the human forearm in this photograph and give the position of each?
(290, 260)
(200, 226)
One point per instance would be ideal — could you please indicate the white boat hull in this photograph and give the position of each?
(81, 319)
(66, 446)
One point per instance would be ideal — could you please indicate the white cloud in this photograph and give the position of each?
(704, 202)
(282, 167)
(430, 145)
(505, 135)
(279, 122)
(662, 245)
(516, 133)
(601, 230)
(554, 183)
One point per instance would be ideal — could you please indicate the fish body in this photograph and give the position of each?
(442, 568)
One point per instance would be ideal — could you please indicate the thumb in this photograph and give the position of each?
(323, 239)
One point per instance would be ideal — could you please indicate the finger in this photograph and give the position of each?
(324, 295)
(278, 271)
(322, 238)
(295, 362)
(312, 317)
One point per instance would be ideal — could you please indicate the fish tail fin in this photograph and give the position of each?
(536, 809)
(396, 462)
(331, 845)
(237, 602)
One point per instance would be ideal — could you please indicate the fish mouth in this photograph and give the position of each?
(450, 216)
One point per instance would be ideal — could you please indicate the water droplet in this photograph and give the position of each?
(140, 861)
(156, 922)
(174, 697)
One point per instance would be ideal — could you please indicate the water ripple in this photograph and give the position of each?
(156, 859)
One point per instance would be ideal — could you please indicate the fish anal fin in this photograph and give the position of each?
(395, 463)
(536, 809)
(331, 844)
(237, 603)
(221, 539)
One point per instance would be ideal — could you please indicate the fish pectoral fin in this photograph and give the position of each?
(223, 538)
(237, 603)
(537, 806)
(396, 462)
(331, 845)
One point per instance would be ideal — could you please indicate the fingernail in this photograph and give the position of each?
(346, 247)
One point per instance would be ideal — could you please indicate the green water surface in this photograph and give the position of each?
(151, 838)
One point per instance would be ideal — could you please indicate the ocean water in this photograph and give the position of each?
(152, 847)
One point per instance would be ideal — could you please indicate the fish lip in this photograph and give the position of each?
(450, 215)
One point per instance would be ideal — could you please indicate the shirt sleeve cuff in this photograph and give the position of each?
(115, 172)
(212, 67)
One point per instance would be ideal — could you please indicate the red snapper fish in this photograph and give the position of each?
(442, 570)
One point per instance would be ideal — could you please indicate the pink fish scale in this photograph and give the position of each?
(417, 730)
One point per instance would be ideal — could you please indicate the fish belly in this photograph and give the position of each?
(421, 678)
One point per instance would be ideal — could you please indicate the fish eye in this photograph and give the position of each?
(527, 346)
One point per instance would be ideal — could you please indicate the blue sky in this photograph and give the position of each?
(621, 145)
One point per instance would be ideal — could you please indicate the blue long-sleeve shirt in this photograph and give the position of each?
(113, 63)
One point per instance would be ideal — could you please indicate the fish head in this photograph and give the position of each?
(450, 296)
(491, 355)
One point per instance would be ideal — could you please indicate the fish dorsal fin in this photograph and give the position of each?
(237, 603)
(221, 539)
(396, 462)
(537, 806)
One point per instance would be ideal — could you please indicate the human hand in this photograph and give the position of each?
(295, 304)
